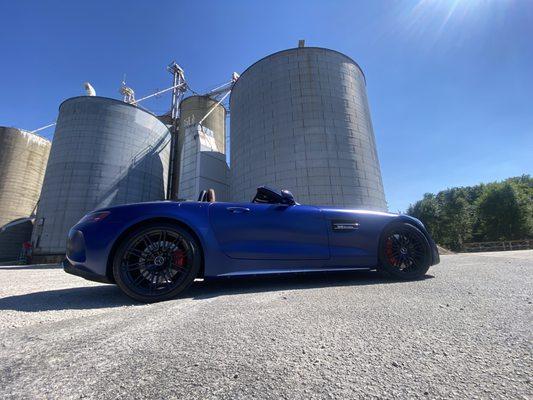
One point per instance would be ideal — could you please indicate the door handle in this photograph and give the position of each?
(238, 210)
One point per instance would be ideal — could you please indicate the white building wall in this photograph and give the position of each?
(202, 166)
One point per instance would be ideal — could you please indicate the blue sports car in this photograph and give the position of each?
(154, 251)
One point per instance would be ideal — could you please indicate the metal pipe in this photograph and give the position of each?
(44, 127)
(213, 107)
(160, 92)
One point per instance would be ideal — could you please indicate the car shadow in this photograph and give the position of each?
(80, 298)
(110, 296)
(242, 285)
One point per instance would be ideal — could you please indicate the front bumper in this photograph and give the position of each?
(435, 253)
(83, 273)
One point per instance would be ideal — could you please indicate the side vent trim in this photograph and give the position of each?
(345, 226)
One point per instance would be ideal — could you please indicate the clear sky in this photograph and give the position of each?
(450, 82)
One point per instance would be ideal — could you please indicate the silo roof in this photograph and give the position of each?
(110, 99)
(303, 48)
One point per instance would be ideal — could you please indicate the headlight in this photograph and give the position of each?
(94, 217)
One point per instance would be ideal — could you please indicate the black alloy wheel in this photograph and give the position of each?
(156, 262)
(404, 251)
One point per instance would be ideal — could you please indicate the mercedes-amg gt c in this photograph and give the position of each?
(154, 251)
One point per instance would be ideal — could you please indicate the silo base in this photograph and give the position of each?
(11, 240)
(47, 258)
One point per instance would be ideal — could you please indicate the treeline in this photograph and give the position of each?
(482, 213)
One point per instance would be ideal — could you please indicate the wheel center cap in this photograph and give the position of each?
(159, 260)
(403, 250)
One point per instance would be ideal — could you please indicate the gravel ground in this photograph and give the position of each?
(463, 332)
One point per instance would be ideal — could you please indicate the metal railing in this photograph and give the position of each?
(505, 245)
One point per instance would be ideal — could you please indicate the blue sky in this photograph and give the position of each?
(450, 82)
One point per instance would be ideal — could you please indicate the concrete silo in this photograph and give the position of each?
(300, 120)
(192, 110)
(105, 152)
(23, 158)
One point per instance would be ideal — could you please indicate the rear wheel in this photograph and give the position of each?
(156, 262)
(404, 252)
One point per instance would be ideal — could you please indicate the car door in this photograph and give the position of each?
(270, 231)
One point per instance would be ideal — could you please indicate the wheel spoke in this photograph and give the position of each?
(148, 241)
(136, 253)
(178, 267)
(168, 275)
(134, 266)
(139, 279)
(163, 239)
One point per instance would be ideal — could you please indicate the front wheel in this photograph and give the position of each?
(404, 252)
(156, 262)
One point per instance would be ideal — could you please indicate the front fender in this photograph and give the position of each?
(435, 257)
(100, 238)
(195, 219)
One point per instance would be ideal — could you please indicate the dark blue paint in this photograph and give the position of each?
(270, 231)
(245, 238)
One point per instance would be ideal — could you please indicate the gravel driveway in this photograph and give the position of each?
(463, 332)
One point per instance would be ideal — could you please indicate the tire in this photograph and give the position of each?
(156, 262)
(404, 252)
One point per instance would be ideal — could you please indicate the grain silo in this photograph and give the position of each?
(105, 152)
(300, 120)
(23, 157)
(193, 109)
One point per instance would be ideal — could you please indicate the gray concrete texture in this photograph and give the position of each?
(463, 332)
(105, 152)
(192, 110)
(300, 120)
(23, 158)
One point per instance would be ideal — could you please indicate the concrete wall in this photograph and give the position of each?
(300, 120)
(105, 152)
(23, 158)
(192, 110)
(202, 168)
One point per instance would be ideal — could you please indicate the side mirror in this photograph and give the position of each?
(287, 197)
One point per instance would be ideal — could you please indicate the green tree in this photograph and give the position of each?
(427, 210)
(455, 218)
(486, 212)
(503, 213)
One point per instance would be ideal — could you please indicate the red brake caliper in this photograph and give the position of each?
(179, 258)
(388, 251)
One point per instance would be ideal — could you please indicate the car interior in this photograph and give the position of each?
(264, 195)
(207, 196)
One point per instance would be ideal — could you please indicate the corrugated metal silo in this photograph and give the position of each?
(192, 110)
(23, 158)
(105, 152)
(300, 120)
